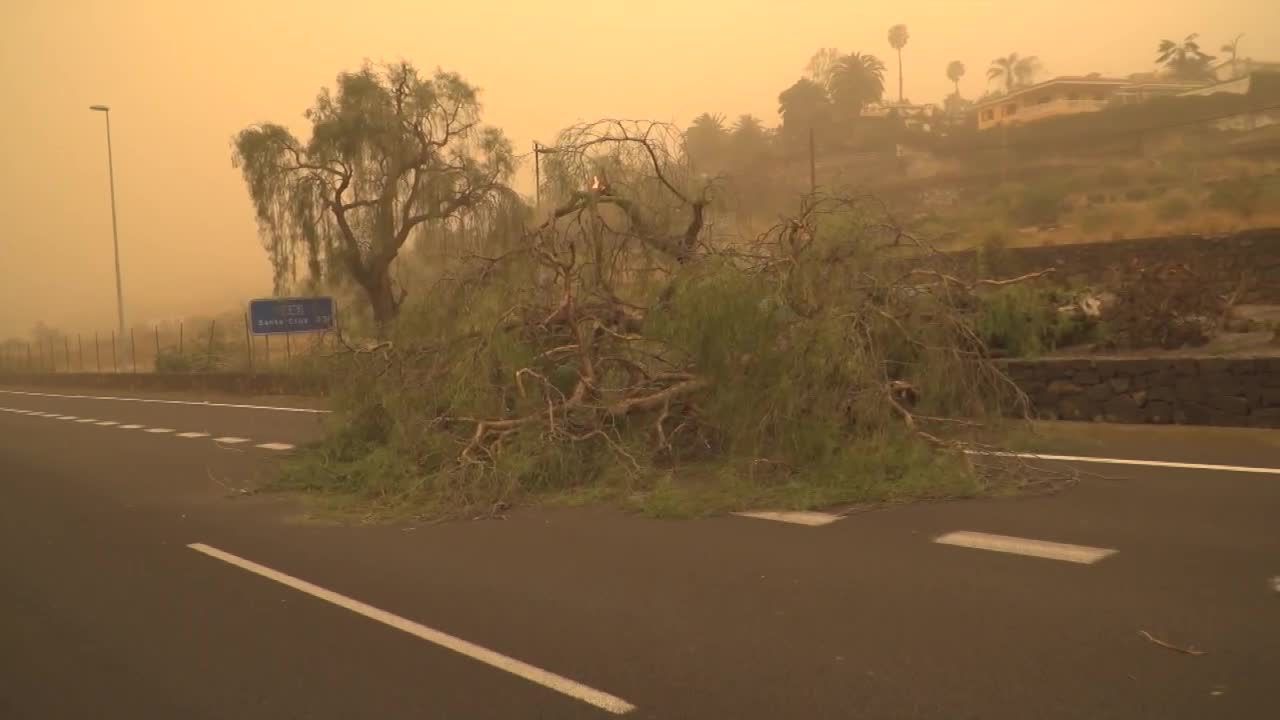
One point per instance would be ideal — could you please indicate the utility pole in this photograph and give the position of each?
(813, 165)
(115, 235)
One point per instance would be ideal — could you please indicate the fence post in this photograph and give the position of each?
(288, 352)
(133, 351)
(266, 341)
(97, 356)
(66, 352)
(53, 358)
(179, 337)
(29, 368)
(115, 362)
(209, 360)
(248, 343)
(157, 363)
(80, 349)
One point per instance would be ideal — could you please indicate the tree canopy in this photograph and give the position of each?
(1016, 71)
(390, 151)
(856, 81)
(1185, 60)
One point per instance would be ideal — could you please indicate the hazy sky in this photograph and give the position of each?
(182, 77)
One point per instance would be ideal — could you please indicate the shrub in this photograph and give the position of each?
(1242, 196)
(1039, 205)
(1136, 194)
(1024, 321)
(1175, 207)
(1114, 176)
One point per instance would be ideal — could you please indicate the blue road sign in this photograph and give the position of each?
(289, 315)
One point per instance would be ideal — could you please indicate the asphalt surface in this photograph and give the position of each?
(106, 613)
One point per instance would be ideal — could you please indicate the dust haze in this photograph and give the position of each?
(181, 79)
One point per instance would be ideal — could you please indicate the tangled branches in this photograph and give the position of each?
(616, 339)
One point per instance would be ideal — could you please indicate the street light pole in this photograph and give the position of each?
(115, 234)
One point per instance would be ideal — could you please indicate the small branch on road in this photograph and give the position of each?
(1169, 646)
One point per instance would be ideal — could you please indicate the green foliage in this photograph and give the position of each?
(396, 149)
(1174, 207)
(796, 364)
(1023, 321)
(1243, 196)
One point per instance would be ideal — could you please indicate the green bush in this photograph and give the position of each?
(1175, 207)
(1242, 196)
(1039, 205)
(1023, 321)
(1114, 176)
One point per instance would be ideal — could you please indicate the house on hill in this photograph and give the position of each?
(1071, 95)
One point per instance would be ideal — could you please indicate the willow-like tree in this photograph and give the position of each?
(390, 151)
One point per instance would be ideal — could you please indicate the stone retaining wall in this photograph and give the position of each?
(1242, 392)
(1221, 261)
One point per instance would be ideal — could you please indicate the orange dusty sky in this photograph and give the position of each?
(182, 77)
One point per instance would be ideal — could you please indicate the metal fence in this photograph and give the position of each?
(182, 347)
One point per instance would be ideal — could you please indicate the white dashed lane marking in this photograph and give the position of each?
(224, 440)
(1081, 554)
(812, 519)
(170, 402)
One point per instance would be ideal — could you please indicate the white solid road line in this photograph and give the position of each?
(170, 402)
(130, 427)
(812, 519)
(66, 417)
(1122, 461)
(231, 440)
(87, 420)
(192, 435)
(275, 446)
(1082, 554)
(107, 423)
(547, 679)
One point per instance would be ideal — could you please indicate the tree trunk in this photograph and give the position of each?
(383, 302)
(899, 76)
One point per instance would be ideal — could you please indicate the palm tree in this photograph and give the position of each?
(705, 140)
(802, 106)
(1184, 60)
(1231, 48)
(955, 71)
(856, 81)
(898, 37)
(1016, 71)
(821, 65)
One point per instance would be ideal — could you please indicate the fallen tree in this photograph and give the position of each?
(618, 345)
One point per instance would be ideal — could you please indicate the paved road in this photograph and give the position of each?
(105, 611)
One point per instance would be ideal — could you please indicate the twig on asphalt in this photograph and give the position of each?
(1175, 648)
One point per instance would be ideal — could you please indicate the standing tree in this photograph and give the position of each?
(898, 37)
(822, 65)
(1232, 48)
(955, 71)
(857, 81)
(389, 152)
(705, 142)
(1016, 71)
(803, 106)
(1184, 60)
